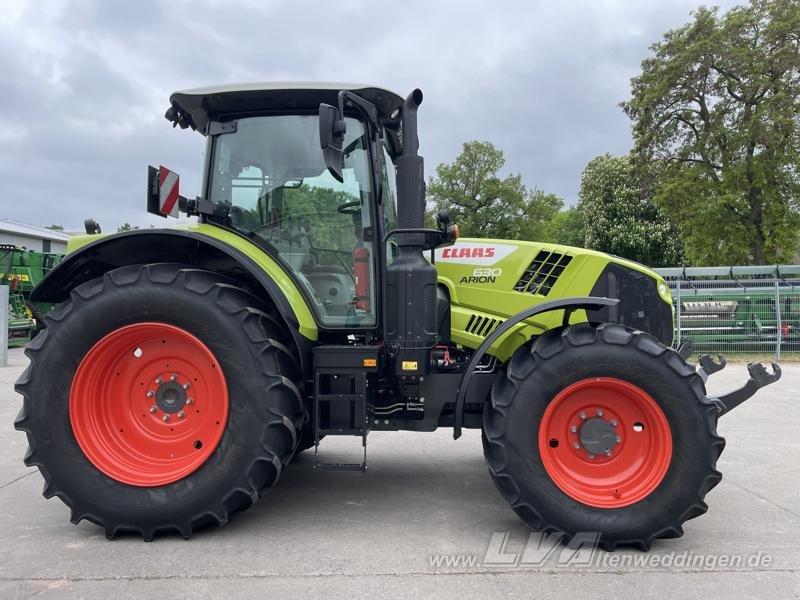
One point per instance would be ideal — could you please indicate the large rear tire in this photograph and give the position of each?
(160, 398)
(605, 431)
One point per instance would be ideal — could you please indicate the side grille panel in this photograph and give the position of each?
(482, 326)
(543, 272)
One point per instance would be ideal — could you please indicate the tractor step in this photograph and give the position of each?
(343, 397)
(341, 467)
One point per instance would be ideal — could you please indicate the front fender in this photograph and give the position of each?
(568, 305)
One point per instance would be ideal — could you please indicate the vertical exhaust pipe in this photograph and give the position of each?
(410, 323)
(410, 175)
(410, 137)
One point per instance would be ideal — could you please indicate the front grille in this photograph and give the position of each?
(640, 305)
(543, 272)
(482, 326)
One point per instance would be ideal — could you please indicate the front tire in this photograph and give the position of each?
(602, 430)
(160, 398)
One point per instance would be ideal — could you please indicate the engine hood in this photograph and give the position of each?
(490, 280)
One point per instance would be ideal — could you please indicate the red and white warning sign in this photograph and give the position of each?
(168, 192)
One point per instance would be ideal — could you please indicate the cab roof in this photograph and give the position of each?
(196, 107)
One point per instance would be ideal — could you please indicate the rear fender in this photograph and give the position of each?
(203, 246)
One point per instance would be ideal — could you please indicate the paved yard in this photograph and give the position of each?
(418, 525)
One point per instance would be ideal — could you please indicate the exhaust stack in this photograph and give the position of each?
(410, 323)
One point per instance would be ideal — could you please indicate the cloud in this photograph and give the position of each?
(84, 84)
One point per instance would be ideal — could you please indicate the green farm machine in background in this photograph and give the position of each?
(737, 310)
(184, 367)
(22, 270)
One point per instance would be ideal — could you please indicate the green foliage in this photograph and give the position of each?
(54, 227)
(318, 206)
(619, 219)
(566, 228)
(312, 209)
(486, 205)
(126, 227)
(717, 134)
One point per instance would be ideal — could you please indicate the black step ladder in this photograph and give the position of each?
(343, 397)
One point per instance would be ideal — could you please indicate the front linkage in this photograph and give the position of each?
(707, 366)
(759, 377)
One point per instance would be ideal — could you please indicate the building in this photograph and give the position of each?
(32, 237)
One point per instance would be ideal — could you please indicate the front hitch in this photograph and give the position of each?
(708, 366)
(759, 377)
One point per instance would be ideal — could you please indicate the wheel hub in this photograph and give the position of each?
(598, 436)
(170, 397)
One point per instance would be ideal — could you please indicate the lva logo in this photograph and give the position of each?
(468, 253)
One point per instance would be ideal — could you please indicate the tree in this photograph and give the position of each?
(715, 122)
(566, 228)
(486, 205)
(55, 227)
(126, 227)
(617, 217)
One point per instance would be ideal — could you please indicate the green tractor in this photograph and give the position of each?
(20, 319)
(183, 368)
(22, 270)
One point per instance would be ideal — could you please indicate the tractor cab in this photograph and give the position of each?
(267, 179)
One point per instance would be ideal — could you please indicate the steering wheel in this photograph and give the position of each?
(348, 208)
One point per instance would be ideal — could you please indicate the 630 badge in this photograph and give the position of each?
(483, 275)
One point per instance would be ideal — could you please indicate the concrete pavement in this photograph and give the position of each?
(425, 521)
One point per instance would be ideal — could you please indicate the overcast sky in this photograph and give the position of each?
(84, 84)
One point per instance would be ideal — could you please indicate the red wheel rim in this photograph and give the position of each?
(633, 425)
(148, 404)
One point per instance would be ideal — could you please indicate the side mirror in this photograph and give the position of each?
(331, 138)
(91, 226)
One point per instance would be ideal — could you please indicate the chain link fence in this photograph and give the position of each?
(746, 313)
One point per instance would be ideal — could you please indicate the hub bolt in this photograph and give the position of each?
(189, 401)
(608, 452)
(153, 409)
(573, 429)
(165, 418)
(181, 415)
(619, 439)
(599, 413)
(582, 416)
(173, 377)
(591, 456)
(159, 380)
(186, 385)
(576, 445)
(614, 422)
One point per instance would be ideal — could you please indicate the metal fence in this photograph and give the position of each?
(738, 311)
